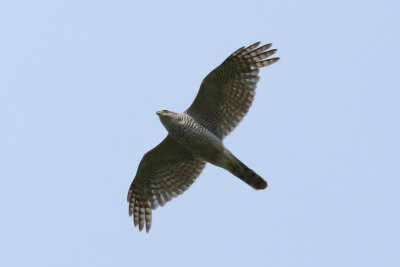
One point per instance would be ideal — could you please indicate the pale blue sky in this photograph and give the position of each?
(81, 82)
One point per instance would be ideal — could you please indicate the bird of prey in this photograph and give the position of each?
(195, 136)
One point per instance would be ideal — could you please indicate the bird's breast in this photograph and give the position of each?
(198, 139)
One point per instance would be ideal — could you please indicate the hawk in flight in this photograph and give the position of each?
(195, 136)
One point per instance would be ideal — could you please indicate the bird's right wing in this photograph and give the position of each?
(164, 172)
(227, 93)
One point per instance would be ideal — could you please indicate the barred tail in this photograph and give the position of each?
(247, 175)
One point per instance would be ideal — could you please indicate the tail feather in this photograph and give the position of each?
(247, 175)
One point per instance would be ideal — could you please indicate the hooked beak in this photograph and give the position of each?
(158, 113)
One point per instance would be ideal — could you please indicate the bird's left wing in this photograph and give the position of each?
(226, 93)
(164, 172)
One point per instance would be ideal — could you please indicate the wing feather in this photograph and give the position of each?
(164, 172)
(227, 93)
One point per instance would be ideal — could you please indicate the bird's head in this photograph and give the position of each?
(168, 117)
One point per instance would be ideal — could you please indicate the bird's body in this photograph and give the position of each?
(195, 136)
(206, 145)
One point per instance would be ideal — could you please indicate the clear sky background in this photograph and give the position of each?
(80, 82)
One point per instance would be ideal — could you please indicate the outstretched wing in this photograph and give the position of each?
(164, 172)
(227, 93)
